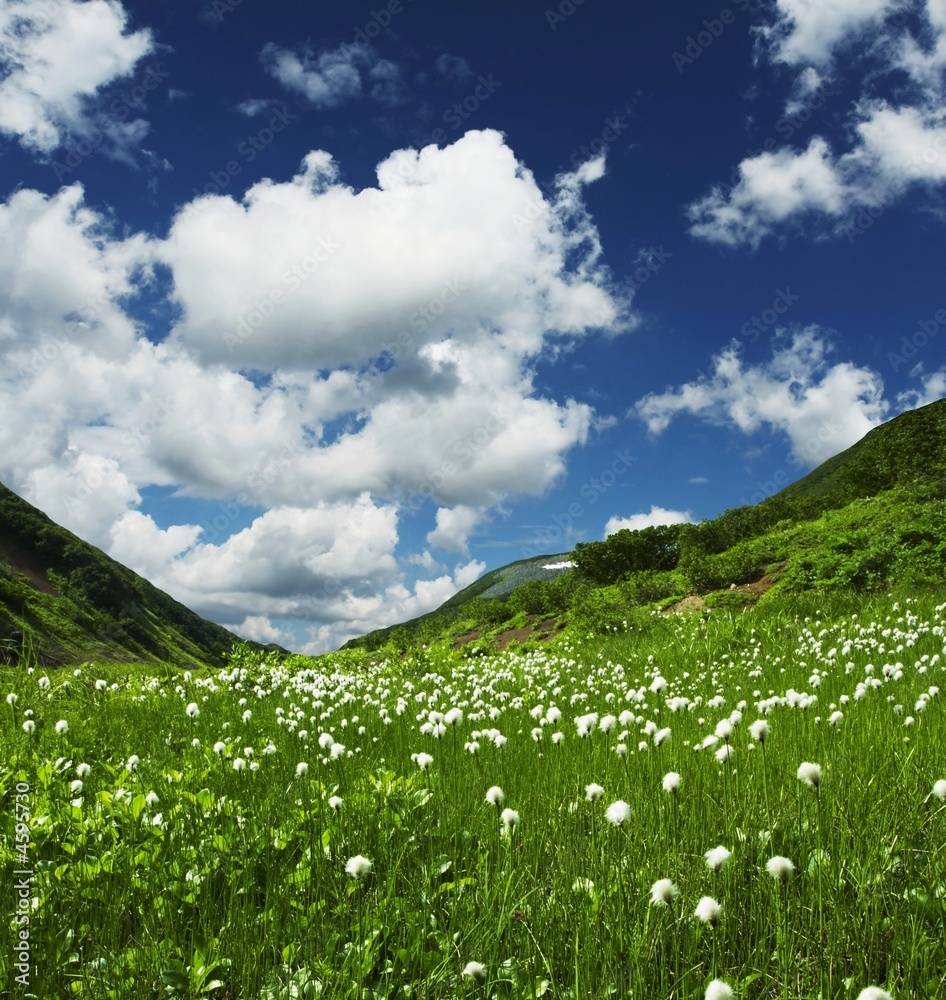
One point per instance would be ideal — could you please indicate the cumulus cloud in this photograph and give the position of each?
(56, 60)
(395, 371)
(454, 526)
(895, 135)
(772, 188)
(822, 408)
(932, 388)
(655, 516)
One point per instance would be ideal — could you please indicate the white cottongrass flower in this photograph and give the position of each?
(43, 683)
(325, 740)
(718, 990)
(495, 796)
(663, 892)
(717, 858)
(723, 729)
(874, 993)
(238, 764)
(334, 803)
(29, 726)
(671, 782)
(618, 813)
(557, 737)
(82, 770)
(422, 760)
(835, 719)
(510, 818)
(62, 726)
(780, 868)
(709, 911)
(338, 750)
(725, 753)
(760, 730)
(939, 789)
(12, 698)
(661, 736)
(76, 787)
(302, 768)
(192, 710)
(132, 763)
(474, 970)
(358, 867)
(152, 799)
(810, 774)
(454, 717)
(593, 792)
(101, 685)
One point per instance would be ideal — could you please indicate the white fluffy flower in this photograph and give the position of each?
(708, 911)
(874, 993)
(618, 813)
(62, 726)
(780, 868)
(810, 774)
(725, 753)
(358, 867)
(593, 792)
(474, 970)
(422, 760)
(192, 710)
(663, 892)
(760, 730)
(671, 782)
(334, 803)
(939, 789)
(510, 818)
(495, 796)
(717, 858)
(302, 768)
(718, 990)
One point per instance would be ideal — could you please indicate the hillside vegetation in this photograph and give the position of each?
(64, 601)
(870, 518)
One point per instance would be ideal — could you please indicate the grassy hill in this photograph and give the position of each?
(872, 517)
(64, 601)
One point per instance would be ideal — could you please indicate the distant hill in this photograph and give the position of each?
(65, 601)
(870, 517)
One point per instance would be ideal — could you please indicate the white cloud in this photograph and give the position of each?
(58, 57)
(772, 188)
(403, 374)
(895, 134)
(809, 31)
(655, 516)
(821, 408)
(454, 527)
(261, 629)
(932, 388)
(326, 79)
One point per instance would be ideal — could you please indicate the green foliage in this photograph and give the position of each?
(626, 551)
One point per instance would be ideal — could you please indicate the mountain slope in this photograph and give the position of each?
(70, 602)
(866, 518)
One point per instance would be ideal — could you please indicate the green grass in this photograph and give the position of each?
(193, 875)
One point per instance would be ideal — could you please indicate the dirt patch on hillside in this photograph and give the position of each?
(22, 560)
(462, 640)
(760, 586)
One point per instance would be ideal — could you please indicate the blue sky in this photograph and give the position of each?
(312, 313)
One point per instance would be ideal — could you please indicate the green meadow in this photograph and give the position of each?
(747, 804)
